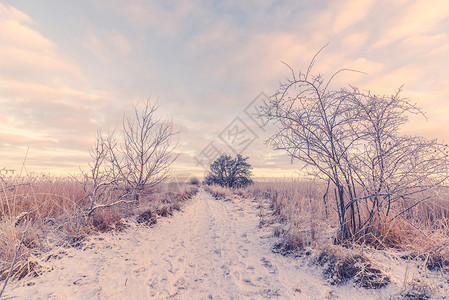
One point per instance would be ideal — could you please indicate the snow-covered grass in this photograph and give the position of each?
(299, 204)
(46, 212)
(212, 249)
(417, 243)
(267, 240)
(219, 192)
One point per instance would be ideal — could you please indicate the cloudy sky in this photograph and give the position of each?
(69, 68)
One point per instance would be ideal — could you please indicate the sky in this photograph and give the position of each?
(71, 68)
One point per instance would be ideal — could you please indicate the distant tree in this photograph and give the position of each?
(230, 172)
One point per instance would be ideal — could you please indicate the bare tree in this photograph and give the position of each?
(142, 159)
(352, 139)
(127, 164)
(98, 180)
(101, 186)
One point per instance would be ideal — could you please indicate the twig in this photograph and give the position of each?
(109, 205)
(409, 208)
(23, 164)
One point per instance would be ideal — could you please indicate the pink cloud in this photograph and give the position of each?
(107, 45)
(414, 19)
(349, 13)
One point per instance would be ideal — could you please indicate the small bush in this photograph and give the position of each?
(194, 180)
(340, 266)
(106, 220)
(147, 218)
(417, 289)
(164, 211)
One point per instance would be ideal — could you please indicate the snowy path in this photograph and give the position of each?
(214, 249)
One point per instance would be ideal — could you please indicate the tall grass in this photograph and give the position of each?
(300, 206)
(311, 220)
(49, 212)
(219, 192)
(309, 224)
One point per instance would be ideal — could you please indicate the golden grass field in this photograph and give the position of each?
(306, 224)
(39, 213)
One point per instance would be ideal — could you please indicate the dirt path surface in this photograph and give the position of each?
(214, 249)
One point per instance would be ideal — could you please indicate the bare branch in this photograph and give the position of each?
(352, 139)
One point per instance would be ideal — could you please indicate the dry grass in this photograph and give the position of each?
(51, 212)
(343, 264)
(299, 205)
(308, 222)
(417, 287)
(218, 192)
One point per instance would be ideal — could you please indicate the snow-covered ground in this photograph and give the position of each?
(214, 249)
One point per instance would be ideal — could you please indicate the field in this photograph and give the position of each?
(308, 224)
(407, 256)
(311, 218)
(38, 214)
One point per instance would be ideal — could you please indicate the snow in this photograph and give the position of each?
(213, 249)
